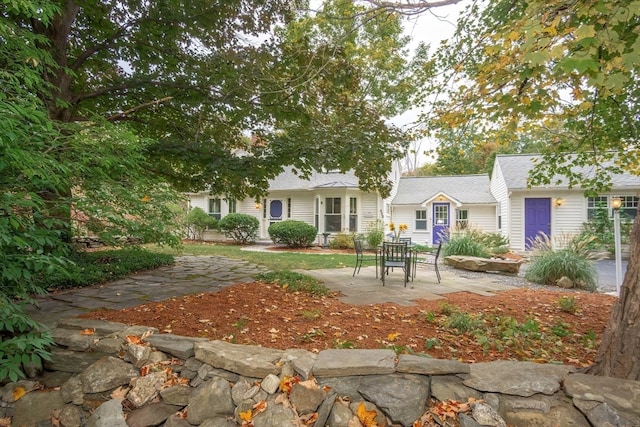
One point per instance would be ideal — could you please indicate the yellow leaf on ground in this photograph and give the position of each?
(246, 415)
(367, 418)
(88, 331)
(18, 392)
(392, 336)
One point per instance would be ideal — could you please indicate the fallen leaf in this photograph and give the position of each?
(246, 415)
(88, 331)
(259, 407)
(392, 336)
(5, 422)
(18, 392)
(367, 418)
(120, 393)
(133, 339)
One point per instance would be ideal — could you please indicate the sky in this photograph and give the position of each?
(430, 27)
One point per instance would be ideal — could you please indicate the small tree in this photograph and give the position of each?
(241, 228)
(198, 221)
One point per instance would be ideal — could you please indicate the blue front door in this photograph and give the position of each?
(440, 222)
(275, 211)
(537, 219)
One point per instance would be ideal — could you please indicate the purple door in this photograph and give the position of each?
(440, 222)
(537, 219)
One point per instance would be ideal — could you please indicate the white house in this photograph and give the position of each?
(431, 205)
(557, 211)
(333, 203)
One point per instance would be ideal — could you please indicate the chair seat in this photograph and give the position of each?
(395, 264)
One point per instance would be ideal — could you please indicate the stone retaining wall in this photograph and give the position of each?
(108, 374)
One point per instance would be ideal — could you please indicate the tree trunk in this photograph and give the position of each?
(618, 352)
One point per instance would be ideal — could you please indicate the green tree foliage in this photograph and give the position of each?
(566, 72)
(191, 80)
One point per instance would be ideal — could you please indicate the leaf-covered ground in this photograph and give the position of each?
(520, 324)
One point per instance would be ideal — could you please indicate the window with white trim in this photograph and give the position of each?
(421, 219)
(353, 214)
(215, 208)
(462, 219)
(594, 203)
(233, 205)
(333, 214)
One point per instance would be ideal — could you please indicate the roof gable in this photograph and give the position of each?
(465, 189)
(288, 180)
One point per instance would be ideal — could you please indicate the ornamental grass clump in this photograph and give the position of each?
(465, 244)
(549, 266)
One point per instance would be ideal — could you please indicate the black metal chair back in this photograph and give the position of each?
(395, 255)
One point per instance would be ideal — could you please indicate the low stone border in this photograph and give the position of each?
(105, 374)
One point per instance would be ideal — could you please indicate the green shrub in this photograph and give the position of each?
(21, 341)
(548, 266)
(197, 222)
(294, 234)
(242, 228)
(90, 268)
(375, 234)
(466, 244)
(341, 241)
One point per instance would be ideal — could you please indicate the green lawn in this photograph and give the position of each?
(277, 261)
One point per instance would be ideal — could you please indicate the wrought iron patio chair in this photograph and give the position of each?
(360, 257)
(435, 261)
(395, 255)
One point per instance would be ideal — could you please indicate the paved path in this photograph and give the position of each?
(189, 274)
(192, 274)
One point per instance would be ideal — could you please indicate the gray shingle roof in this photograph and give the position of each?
(466, 189)
(516, 168)
(287, 180)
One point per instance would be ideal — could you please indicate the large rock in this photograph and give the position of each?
(249, 361)
(175, 345)
(517, 378)
(106, 374)
(342, 363)
(35, 408)
(109, 414)
(412, 364)
(401, 397)
(618, 393)
(211, 399)
(473, 263)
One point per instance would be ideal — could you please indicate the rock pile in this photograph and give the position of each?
(108, 374)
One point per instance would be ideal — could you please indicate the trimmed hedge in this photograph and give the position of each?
(293, 234)
(242, 228)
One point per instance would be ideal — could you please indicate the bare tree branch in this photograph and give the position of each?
(410, 7)
(124, 114)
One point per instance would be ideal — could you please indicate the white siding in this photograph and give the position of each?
(500, 192)
(516, 220)
(482, 218)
